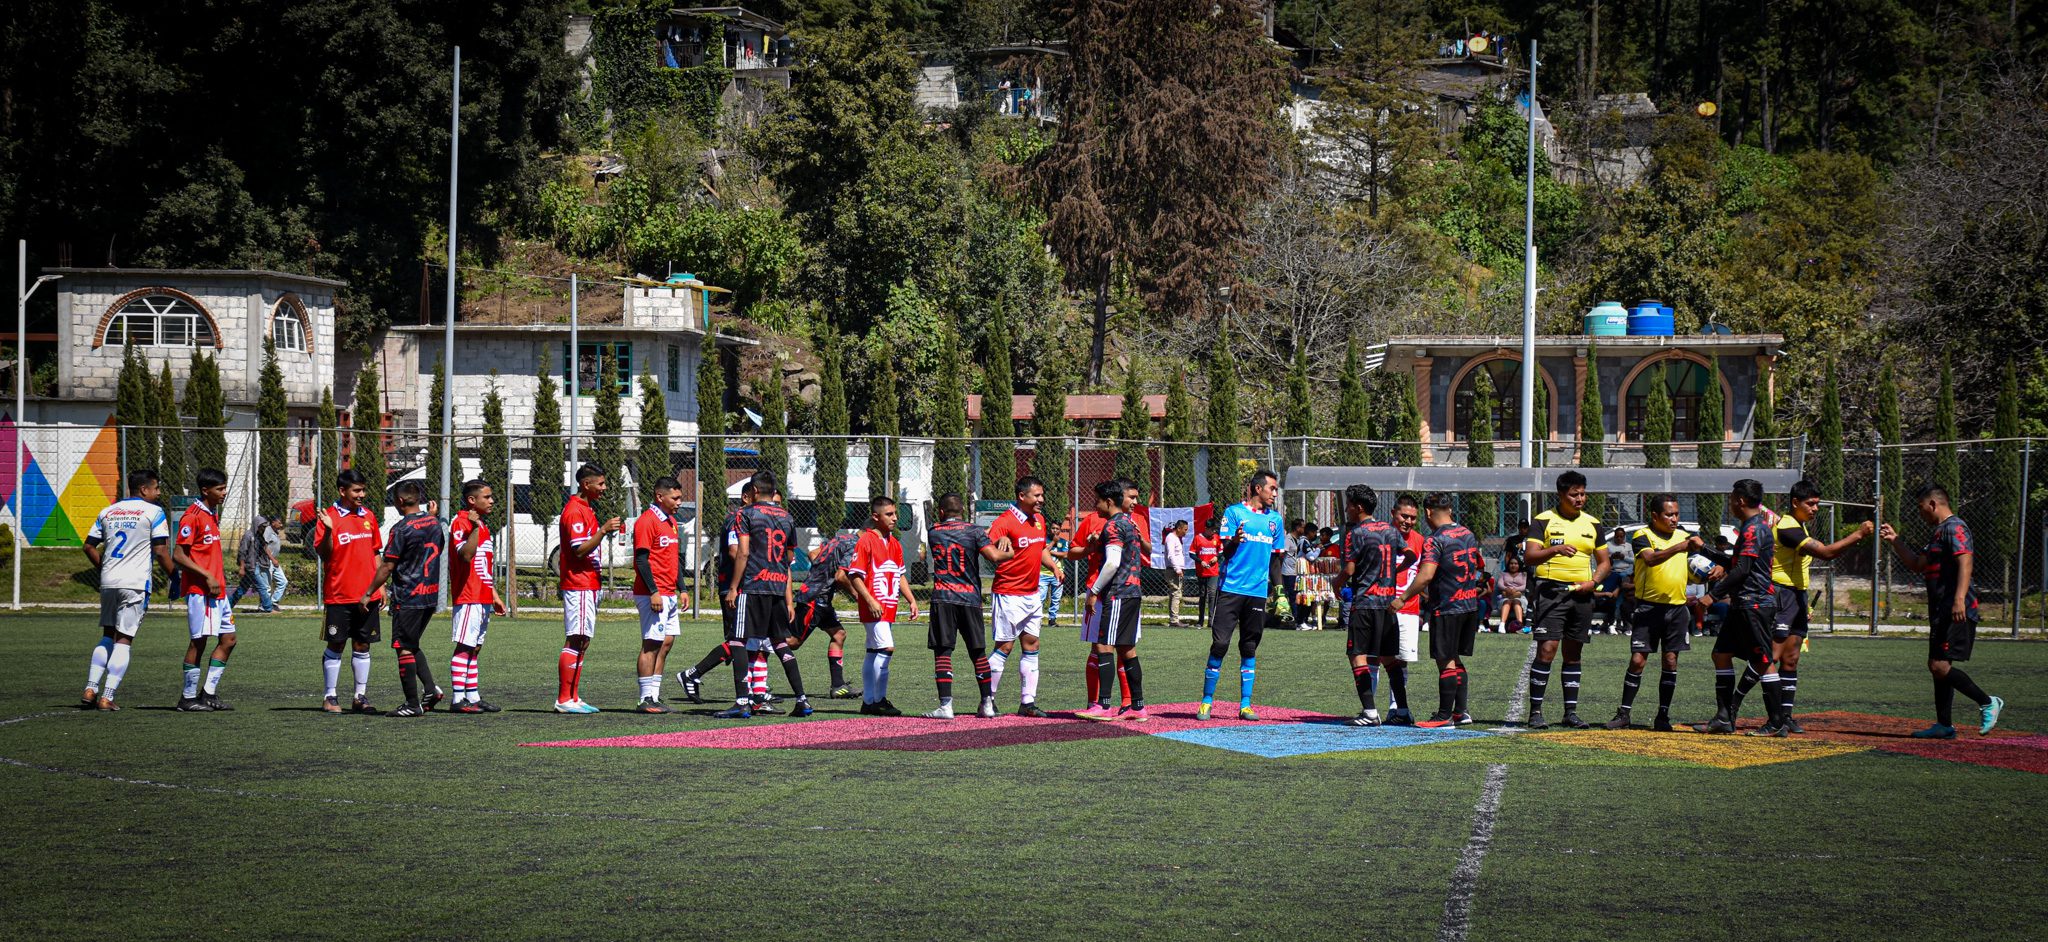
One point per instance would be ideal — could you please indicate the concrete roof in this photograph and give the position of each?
(158, 273)
(729, 340)
(1478, 343)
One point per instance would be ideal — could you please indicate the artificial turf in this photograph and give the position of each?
(277, 821)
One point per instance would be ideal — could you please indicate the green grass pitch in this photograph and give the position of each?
(276, 821)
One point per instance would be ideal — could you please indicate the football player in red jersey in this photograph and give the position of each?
(347, 539)
(472, 585)
(198, 555)
(657, 557)
(582, 535)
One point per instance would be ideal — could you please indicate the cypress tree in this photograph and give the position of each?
(1592, 428)
(273, 414)
(1712, 432)
(1406, 424)
(608, 432)
(998, 388)
(885, 416)
(1133, 428)
(1658, 421)
(1539, 424)
(368, 456)
(1890, 430)
(949, 450)
(1482, 511)
(171, 433)
(1178, 488)
(547, 456)
(651, 460)
(329, 464)
(2005, 510)
(1948, 473)
(833, 426)
(1049, 427)
(1298, 423)
(1763, 427)
(1354, 411)
(1226, 480)
(774, 424)
(494, 459)
(1827, 441)
(205, 404)
(134, 413)
(436, 443)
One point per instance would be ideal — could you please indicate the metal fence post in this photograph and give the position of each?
(2019, 555)
(1877, 520)
(697, 525)
(1834, 525)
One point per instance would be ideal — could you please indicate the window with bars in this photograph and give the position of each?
(675, 368)
(160, 320)
(589, 370)
(287, 329)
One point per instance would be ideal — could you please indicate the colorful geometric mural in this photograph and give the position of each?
(87, 481)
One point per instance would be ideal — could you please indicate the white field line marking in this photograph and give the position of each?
(1465, 879)
(1518, 704)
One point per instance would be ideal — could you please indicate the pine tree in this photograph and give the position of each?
(273, 413)
(1763, 427)
(1482, 513)
(1133, 429)
(437, 443)
(1712, 432)
(208, 409)
(1406, 428)
(1050, 429)
(1298, 423)
(949, 451)
(774, 423)
(1827, 441)
(1592, 429)
(547, 457)
(711, 429)
(2005, 512)
(494, 459)
(329, 464)
(651, 461)
(608, 430)
(1226, 480)
(1948, 472)
(1354, 411)
(1179, 472)
(833, 426)
(134, 413)
(885, 418)
(1891, 431)
(171, 433)
(998, 386)
(367, 458)
(1658, 421)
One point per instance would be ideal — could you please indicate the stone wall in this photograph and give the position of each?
(240, 306)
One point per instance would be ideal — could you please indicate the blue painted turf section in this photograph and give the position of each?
(1279, 740)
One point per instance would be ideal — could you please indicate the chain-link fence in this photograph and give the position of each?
(69, 472)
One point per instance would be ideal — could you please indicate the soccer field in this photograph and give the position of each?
(278, 821)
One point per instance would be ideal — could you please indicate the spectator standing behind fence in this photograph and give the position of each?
(1177, 561)
(260, 569)
(1208, 552)
(1052, 581)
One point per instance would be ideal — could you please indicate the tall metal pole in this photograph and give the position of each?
(448, 319)
(20, 406)
(575, 354)
(1529, 365)
(1877, 557)
(2019, 555)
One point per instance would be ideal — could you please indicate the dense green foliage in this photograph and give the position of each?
(547, 455)
(831, 444)
(1178, 461)
(1657, 422)
(608, 433)
(1050, 459)
(273, 416)
(171, 454)
(494, 461)
(135, 411)
(366, 454)
(327, 461)
(1133, 430)
(1482, 514)
(949, 421)
(651, 460)
(437, 443)
(204, 403)
(1224, 429)
(1713, 431)
(1890, 431)
(1947, 473)
(1354, 410)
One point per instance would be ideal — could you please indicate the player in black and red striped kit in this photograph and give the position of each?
(692, 678)
(412, 566)
(1453, 571)
(957, 549)
(1948, 563)
(814, 612)
(763, 601)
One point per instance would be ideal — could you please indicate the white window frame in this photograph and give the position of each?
(161, 311)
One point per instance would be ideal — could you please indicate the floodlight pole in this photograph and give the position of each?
(448, 462)
(22, 289)
(574, 355)
(1529, 365)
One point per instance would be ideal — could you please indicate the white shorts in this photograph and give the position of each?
(579, 612)
(1093, 610)
(208, 618)
(122, 609)
(1411, 635)
(1018, 615)
(662, 624)
(881, 634)
(471, 621)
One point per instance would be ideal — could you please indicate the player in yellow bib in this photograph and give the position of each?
(1570, 560)
(1793, 550)
(1663, 616)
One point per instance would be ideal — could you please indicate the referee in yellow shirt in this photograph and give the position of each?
(1662, 617)
(1569, 561)
(1793, 550)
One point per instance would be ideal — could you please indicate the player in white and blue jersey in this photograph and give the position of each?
(122, 539)
(1251, 535)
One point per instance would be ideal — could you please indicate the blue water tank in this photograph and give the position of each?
(1607, 319)
(1650, 319)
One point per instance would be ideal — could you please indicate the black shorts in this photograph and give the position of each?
(764, 617)
(1236, 612)
(1374, 632)
(349, 623)
(729, 615)
(407, 625)
(1119, 625)
(956, 624)
(1746, 632)
(1792, 613)
(1556, 613)
(1660, 627)
(1451, 634)
(815, 615)
(1950, 640)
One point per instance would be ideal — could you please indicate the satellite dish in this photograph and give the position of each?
(1707, 109)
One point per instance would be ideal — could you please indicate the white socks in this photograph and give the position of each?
(100, 653)
(117, 668)
(213, 672)
(997, 659)
(875, 677)
(650, 687)
(361, 663)
(330, 668)
(192, 673)
(1028, 667)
